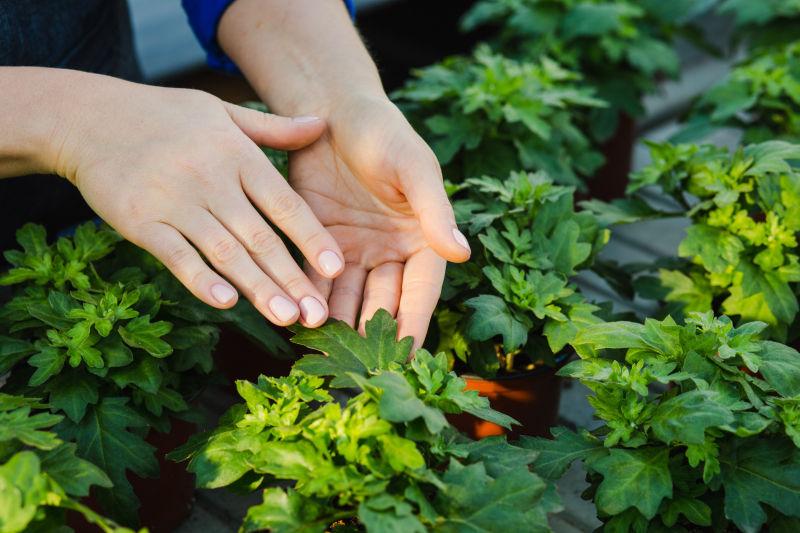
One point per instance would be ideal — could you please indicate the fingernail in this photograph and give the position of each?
(311, 310)
(305, 120)
(284, 309)
(222, 293)
(330, 263)
(460, 239)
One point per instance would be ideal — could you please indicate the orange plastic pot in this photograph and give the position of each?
(531, 398)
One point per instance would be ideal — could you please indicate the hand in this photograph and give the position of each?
(170, 167)
(377, 187)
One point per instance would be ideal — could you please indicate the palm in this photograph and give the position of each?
(353, 182)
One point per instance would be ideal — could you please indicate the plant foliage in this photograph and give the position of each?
(619, 46)
(763, 24)
(514, 296)
(41, 476)
(717, 445)
(384, 460)
(739, 251)
(488, 114)
(112, 342)
(761, 97)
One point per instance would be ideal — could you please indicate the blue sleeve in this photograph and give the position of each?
(204, 16)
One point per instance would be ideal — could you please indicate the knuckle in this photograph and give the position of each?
(225, 250)
(285, 204)
(178, 259)
(264, 242)
(295, 285)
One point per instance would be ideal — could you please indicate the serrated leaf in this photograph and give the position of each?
(557, 454)
(284, 511)
(686, 417)
(633, 478)
(29, 429)
(492, 318)
(75, 475)
(141, 333)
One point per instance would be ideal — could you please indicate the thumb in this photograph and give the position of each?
(274, 131)
(421, 179)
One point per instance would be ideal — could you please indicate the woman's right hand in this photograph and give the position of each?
(179, 173)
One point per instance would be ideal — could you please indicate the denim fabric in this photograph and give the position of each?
(88, 35)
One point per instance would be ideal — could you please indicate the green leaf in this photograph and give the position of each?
(780, 366)
(144, 374)
(696, 511)
(717, 249)
(388, 514)
(284, 511)
(75, 475)
(557, 454)
(475, 501)
(72, 393)
(686, 417)
(492, 318)
(104, 437)
(20, 425)
(612, 335)
(141, 333)
(633, 478)
(759, 471)
(347, 352)
(399, 402)
(48, 362)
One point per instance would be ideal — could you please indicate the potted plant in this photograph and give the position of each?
(489, 114)
(761, 97)
(738, 256)
(701, 427)
(385, 459)
(41, 476)
(621, 48)
(507, 316)
(115, 346)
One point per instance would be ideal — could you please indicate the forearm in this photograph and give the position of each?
(301, 56)
(32, 100)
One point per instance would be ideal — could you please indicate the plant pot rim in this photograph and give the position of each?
(560, 360)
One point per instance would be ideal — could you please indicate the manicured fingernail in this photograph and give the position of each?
(460, 239)
(222, 293)
(330, 263)
(311, 310)
(284, 309)
(305, 120)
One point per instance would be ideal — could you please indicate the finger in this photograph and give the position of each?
(346, 293)
(172, 249)
(322, 284)
(381, 291)
(283, 133)
(287, 210)
(422, 285)
(231, 259)
(269, 252)
(421, 179)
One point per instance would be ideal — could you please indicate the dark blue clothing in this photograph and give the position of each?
(204, 17)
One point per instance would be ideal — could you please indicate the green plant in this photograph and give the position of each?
(764, 23)
(384, 460)
(761, 96)
(739, 255)
(513, 306)
(488, 114)
(112, 342)
(620, 47)
(41, 477)
(699, 427)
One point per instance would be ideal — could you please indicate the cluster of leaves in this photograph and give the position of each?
(700, 427)
(761, 96)
(619, 46)
(513, 305)
(739, 250)
(488, 114)
(115, 350)
(41, 476)
(384, 460)
(764, 23)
